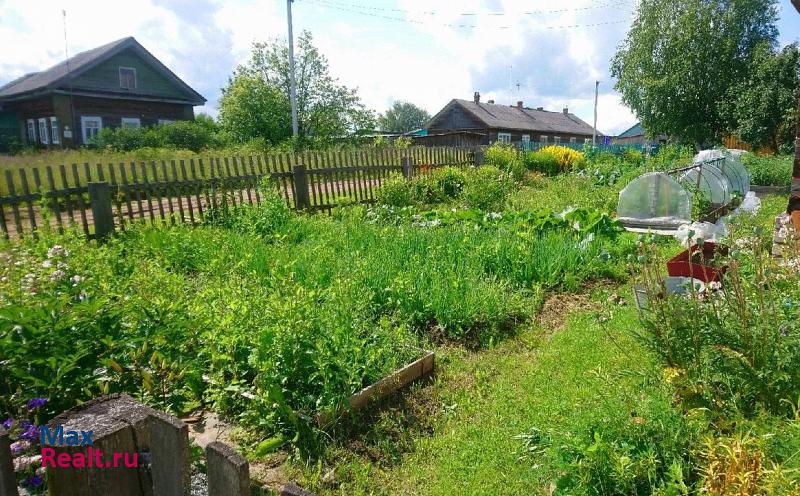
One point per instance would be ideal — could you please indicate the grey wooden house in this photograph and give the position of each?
(472, 123)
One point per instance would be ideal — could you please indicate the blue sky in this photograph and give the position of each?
(544, 53)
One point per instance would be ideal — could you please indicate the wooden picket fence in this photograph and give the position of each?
(100, 197)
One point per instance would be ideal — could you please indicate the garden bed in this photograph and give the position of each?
(385, 387)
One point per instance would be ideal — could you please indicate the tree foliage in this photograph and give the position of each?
(681, 58)
(326, 109)
(403, 117)
(764, 105)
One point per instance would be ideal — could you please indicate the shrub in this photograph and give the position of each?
(184, 135)
(450, 181)
(486, 188)
(396, 192)
(553, 160)
(769, 170)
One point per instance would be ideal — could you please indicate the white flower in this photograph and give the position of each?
(58, 274)
(76, 279)
(47, 264)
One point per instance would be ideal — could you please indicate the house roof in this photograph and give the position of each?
(525, 119)
(59, 76)
(635, 130)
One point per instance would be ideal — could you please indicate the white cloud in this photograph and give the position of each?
(422, 61)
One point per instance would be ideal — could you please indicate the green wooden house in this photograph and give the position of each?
(118, 84)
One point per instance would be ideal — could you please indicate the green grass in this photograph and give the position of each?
(558, 379)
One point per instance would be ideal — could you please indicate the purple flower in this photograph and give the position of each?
(19, 446)
(35, 403)
(31, 433)
(32, 481)
(7, 423)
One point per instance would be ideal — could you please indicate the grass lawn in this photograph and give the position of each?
(566, 369)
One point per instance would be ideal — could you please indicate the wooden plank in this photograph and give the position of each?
(51, 183)
(123, 177)
(37, 184)
(135, 186)
(81, 204)
(147, 192)
(158, 190)
(70, 214)
(290, 199)
(237, 182)
(116, 195)
(256, 177)
(177, 186)
(14, 204)
(198, 197)
(207, 185)
(169, 192)
(185, 190)
(23, 179)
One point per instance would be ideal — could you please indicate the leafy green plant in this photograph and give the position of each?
(769, 170)
(486, 188)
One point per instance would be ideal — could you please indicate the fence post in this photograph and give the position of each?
(8, 482)
(301, 197)
(228, 471)
(479, 158)
(408, 167)
(100, 200)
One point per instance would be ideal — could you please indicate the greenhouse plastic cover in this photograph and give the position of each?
(654, 200)
(712, 182)
(730, 164)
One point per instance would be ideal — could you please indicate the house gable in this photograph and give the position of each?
(454, 116)
(149, 81)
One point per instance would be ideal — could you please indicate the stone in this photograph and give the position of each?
(228, 471)
(294, 490)
(8, 482)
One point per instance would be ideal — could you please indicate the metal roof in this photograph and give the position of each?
(58, 76)
(635, 130)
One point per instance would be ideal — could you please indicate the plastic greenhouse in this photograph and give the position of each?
(662, 201)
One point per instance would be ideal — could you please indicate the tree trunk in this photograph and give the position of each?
(794, 195)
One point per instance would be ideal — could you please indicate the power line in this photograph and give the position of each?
(496, 13)
(331, 5)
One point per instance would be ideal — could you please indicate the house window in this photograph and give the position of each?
(131, 122)
(31, 131)
(543, 139)
(557, 140)
(55, 131)
(504, 137)
(127, 78)
(573, 140)
(165, 121)
(587, 141)
(43, 134)
(90, 126)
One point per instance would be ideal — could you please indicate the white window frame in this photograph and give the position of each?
(135, 79)
(587, 141)
(556, 140)
(573, 140)
(31, 130)
(55, 131)
(131, 122)
(526, 138)
(44, 135)
(161, 122)
(86, 119)
(544, 139)
(504, 137)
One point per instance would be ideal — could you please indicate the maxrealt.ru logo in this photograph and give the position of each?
(92, 458)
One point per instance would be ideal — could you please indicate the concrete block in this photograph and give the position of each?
(228, 471)
(169, 452)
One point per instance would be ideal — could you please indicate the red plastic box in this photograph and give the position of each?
(681, 265)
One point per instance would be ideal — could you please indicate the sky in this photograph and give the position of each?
(544, 53)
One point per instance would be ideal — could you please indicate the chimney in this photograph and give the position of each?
(490, 101)
(476, 97)
(539, 108)
(566, 110)
(519, 104)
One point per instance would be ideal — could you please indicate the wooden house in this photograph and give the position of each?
(473, 123)
(114, 85)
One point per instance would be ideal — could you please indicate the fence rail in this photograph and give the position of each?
(97, 197)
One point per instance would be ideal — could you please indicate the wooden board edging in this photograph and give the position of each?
(384, 387)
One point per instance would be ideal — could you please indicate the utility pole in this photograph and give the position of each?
(594, 130)
(292, 83)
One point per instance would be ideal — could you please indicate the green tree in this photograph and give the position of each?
(326, 109)
(681, 58)
(403, 117)
(764, 104)
(251, 108)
